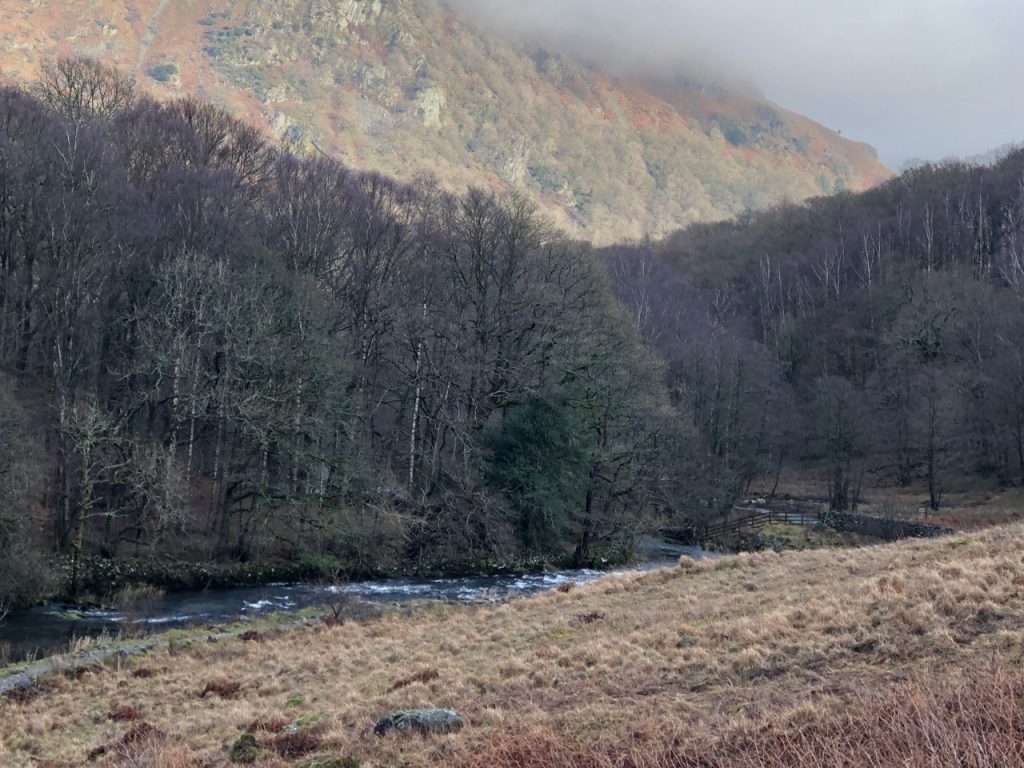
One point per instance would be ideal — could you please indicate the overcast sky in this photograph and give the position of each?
(915, 78)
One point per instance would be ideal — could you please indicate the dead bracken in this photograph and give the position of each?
(423, 676)
(226, 689)
(124, 713)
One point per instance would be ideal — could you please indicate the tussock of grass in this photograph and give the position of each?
(900, 654)
(226, 689)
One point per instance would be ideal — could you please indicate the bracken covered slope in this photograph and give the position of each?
(410, 86)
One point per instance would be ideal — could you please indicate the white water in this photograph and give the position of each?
(51, 628)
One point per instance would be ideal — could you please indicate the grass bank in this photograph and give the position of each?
(902, 654)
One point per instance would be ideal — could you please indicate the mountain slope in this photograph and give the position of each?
(409, 86)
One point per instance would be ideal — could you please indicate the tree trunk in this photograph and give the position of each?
(581, 557)
(778, 472)
(415, 412)
(83, 507)
(1020, 441)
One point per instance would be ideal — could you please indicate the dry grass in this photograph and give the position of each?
(918, 724)
(906, 654)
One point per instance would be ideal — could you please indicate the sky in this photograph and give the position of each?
(917, 79)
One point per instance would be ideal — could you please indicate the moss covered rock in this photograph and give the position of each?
(432, 721)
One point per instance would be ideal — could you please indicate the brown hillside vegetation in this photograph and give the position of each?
(906, 654)
(409, 86)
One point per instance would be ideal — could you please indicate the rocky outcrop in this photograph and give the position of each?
(430, 103)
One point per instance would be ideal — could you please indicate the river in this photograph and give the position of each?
(51, 628)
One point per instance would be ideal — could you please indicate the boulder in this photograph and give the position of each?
(432, 721)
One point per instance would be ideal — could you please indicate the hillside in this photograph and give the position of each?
(409, 87)
(903, 654)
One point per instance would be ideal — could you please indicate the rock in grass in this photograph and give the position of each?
(326, 761)
(433, 721)
(245, 749)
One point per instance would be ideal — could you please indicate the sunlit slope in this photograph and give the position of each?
(407, 87)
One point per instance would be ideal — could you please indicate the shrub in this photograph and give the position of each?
(734, 134)
(267, 725)
(163, 72)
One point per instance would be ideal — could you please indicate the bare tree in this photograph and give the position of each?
(84, 88)
(93, 437)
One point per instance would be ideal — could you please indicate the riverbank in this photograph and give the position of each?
(902, 653)
(100, 579)
(25, 679)
(139, 611)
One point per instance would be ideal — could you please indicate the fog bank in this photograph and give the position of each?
(915, 78)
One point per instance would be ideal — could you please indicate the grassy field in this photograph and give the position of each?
(907, 654)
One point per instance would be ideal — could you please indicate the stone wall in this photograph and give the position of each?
(883, 528)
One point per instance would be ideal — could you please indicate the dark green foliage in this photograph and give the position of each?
(736, 136)
(245, 750)
(162, 73)
(539, 460)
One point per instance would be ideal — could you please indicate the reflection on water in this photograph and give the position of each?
(51, 628)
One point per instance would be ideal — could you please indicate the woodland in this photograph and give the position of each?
(218, 349)
(872, 339)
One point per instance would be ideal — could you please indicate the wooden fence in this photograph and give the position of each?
(743, 520)
(747, 520)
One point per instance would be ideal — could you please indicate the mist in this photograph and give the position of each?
(924, 79)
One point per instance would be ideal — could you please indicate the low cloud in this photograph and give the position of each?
(916, 78)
